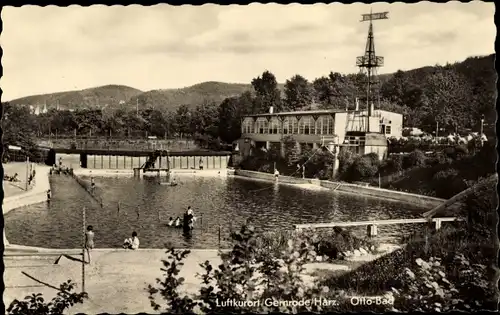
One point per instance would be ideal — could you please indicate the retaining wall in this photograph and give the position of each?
(419, 200)
(414, 199)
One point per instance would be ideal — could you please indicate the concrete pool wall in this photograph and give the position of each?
(414, 199)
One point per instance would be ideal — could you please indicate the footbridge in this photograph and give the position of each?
(144, 160)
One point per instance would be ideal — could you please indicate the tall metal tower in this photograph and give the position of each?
(370, 61)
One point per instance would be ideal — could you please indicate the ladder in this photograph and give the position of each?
(354, 116)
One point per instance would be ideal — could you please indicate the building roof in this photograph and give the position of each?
(302, 112)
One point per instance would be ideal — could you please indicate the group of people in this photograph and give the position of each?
(129, 243)
(133, 242)
(187, 223)
(11, 178)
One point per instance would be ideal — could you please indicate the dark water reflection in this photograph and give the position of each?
(145, 207)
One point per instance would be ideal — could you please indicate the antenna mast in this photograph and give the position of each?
(370, 61)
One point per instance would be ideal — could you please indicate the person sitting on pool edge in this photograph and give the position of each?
(132, 243)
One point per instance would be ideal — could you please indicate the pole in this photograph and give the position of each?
(437, 129)
(83, 250)
(379, 179)
(137, 107)
(27, 171)
(219, 236)
(482, 129)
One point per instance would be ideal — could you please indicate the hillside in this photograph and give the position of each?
(192, 96)
(169, 99)
(108, 95)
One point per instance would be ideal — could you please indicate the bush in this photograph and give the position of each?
(396, 162)
(35, 304)
(480, 210)
(415, 159)
(327, 243)
(461, 151)
(346, 159)
(363, 168)
(242, 276)
(373, 158)
(428, 288)
(318, 164)
(448, 183)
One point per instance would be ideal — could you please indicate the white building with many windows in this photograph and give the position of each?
(312, 129)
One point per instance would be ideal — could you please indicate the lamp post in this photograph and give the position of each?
(83, 249)
(482, 129)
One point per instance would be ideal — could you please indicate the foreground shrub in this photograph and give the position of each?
(428, 288)
(472, 273)
(480, 210)
(328, 244)
(243, 276)
(35, 304)
(448, 183)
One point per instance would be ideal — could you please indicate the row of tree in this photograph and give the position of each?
(453, 96)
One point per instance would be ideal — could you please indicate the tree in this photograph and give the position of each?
(205, 124)
(334, 91)
(268, 94)
(298, 93)
(18, 128)
(89, 120)
(231, 112)
(394, 89)
(133, 122)
(62, 122)
(446, 98)
(183, 120)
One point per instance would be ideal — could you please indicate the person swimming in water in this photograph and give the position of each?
(170, 221)
(177, 222)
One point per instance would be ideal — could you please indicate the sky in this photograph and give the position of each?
(51, 49)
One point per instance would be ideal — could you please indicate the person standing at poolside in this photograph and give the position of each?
(49, 195)
(201, 164)
(189, 219)
(89, 241)
(92, 184)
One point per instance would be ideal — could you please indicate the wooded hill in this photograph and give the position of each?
(454, 95)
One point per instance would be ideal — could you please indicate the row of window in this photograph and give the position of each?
(305, 126)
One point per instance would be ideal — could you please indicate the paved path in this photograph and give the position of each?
(14, 188)
(38, 192)
(115, 279)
